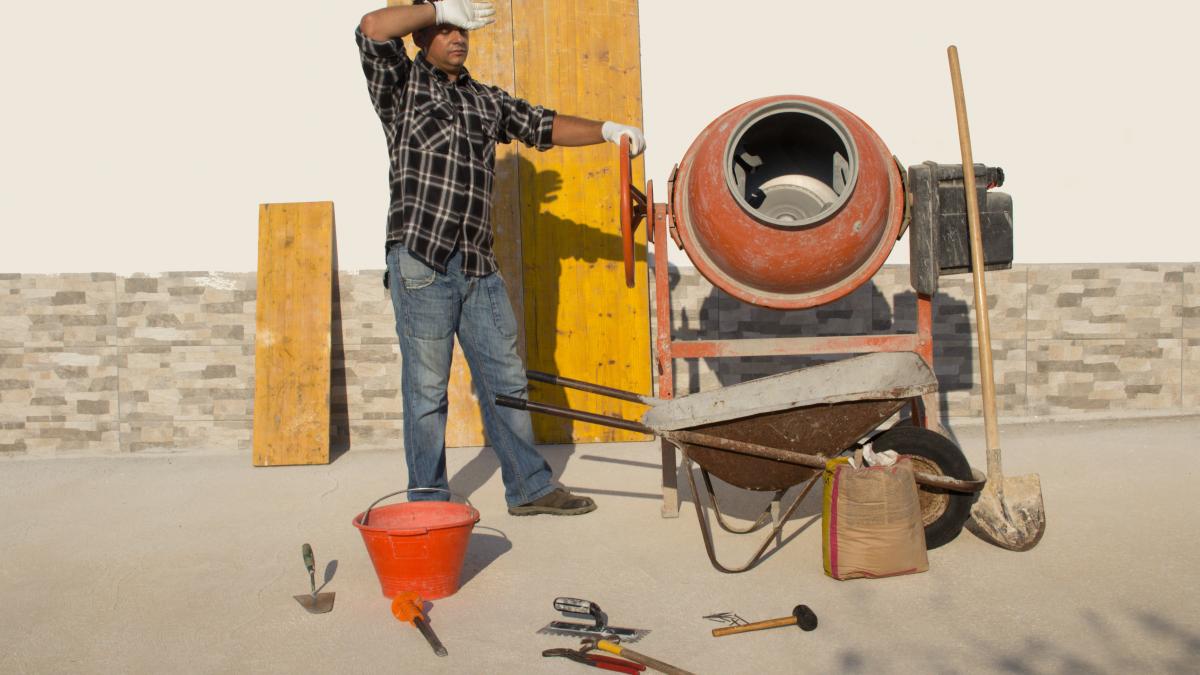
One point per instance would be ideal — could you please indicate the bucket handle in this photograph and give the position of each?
(367, 513)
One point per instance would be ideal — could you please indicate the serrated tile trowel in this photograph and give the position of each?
(598, 629)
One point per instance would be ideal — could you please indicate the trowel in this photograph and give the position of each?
(314, 602)
(597, 630)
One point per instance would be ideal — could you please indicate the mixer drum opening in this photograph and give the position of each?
(791, 164)
(787, 202)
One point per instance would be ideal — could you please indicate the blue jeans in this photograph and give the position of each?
(431, 308)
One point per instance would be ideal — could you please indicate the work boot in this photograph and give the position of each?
(556, 503)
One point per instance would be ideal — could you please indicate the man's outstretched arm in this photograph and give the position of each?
(575, 131)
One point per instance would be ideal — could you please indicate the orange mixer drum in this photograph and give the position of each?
(788, 202)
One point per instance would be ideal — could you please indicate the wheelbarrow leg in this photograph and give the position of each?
(762, 519)
(670, 481)
(775, 513)
(706, 532)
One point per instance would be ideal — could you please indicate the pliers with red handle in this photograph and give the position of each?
(597, 661)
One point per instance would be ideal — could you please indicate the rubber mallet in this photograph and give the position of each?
(801, 616)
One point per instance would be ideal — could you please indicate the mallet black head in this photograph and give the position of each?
(805, 618)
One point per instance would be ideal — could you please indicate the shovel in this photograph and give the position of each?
(315, 603)
(1009, 512)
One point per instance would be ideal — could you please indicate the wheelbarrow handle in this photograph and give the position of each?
(558, 411)
(621, 394)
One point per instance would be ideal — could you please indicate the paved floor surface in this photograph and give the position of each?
(188, 563)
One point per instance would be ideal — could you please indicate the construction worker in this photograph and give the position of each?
(442, 127)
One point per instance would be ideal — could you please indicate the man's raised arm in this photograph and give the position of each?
(390, 23)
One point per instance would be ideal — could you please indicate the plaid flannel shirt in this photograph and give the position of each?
(441, 138)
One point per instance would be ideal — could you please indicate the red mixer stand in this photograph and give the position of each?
(667, 349)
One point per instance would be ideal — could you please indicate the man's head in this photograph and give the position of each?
(445, 46)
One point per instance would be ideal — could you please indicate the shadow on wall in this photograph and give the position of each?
(560, 239)
(339, 402)
(704, 312)
(567, 239)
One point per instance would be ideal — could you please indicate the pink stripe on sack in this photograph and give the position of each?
(833, 501)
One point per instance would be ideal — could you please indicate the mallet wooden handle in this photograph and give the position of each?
(757, 625)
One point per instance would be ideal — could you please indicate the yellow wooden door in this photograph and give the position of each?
(581, 58)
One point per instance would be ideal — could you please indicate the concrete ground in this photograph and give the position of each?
(188, 563)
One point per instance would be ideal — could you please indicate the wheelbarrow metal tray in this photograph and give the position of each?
(877, 376)
(819, 410)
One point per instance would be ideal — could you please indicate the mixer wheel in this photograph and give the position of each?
(943, 511)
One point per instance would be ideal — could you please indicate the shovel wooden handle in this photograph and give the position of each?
(983, 326)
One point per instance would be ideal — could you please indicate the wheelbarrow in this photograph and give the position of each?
(774, 433)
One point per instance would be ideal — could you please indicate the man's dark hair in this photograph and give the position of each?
(417, 36)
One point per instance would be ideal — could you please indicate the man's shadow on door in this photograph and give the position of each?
(560, 240)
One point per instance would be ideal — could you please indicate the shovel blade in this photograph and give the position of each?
(318, 604)
(1010, 515)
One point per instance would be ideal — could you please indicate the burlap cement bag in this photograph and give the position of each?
(871, 521)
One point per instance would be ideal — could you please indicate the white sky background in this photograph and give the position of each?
(141, 137)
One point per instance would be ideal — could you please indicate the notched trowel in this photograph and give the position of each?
(598, 629)
(314, 602)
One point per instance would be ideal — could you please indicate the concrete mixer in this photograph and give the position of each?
(790, 203)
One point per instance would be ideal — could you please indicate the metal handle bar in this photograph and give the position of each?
(367, 513)
(603, 420)
(548, 378)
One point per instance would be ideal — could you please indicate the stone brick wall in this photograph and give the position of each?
(1066, 339)
(102, 364)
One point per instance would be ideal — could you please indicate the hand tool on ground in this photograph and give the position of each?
(617, 649)
(599, 627)
(597, 660)
(1009, 512)
(801, 616)
(728, 618)
(408, 606)
(315, 603)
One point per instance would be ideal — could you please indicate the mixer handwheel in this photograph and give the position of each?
(633, 209)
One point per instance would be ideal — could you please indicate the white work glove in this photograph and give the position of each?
(465, 14)
(612, 132)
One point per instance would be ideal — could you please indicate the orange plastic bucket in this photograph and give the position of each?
(417, 546)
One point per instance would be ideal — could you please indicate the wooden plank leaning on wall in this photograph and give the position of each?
(292, 334)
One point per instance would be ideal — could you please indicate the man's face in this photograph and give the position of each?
(445, 46)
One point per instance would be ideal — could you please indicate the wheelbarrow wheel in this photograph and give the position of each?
(943, 511)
